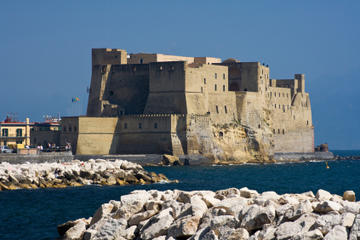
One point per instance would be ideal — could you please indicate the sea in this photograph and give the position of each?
(35, 214)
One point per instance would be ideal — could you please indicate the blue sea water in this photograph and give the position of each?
(34, 214)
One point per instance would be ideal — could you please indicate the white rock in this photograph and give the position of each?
(353, 207)
(347, 219)
(327, 206)
(184, 227)
(141, 216)
(157, 225)
(323, 195)
(287, 229)
(232, 206)
(246, 193)
(102, 211)
(76, 232)
(198, 206)
(355, 229)
(255, 217)
(227, 193)
(296, 211)
(311, 235)
(337, 233)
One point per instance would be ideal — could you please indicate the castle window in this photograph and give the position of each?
(223, 88)
(155, 125)
(204, 80)
(221, 134)
(141, 61)
(283, 131)
(217, 109)
(275, 105)
(307, 122)
(224, 76)
(274, 131)
(125, 126)
(259, 126)
(140, 125)
(225, 108)
(278, 131)
(215, 75)
(215, 87)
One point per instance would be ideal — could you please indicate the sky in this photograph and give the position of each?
(45, 49)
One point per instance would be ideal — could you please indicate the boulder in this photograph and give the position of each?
(287, 229)
(327, 206)
(349, 196)
(157, 225)
(102, 211)
(231, 206)
(355, 229)
(198, 206)
(170, 160)
(256, 216)
(337, 233)
(246, 193)
(76, 232)
(227, 193)
(136, 218)
(184, 227)
(323, 195)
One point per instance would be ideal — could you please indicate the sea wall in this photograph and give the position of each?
(36, 158)
(225, 214)
(297, 157)
(75, 173)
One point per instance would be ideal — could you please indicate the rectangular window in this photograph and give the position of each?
(215, 87)
(140, 125)
(155, 125)
(224, 76)
(217, 109)
(5, 132)
(204, 80)
(223, 88)
(215, 75)
(19, 132)
(225, 109)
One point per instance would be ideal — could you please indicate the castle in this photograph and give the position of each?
(222, 110)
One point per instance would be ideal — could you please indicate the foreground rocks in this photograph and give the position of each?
(225, 214)
(75, 173)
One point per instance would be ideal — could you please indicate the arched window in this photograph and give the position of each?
(223, 88)
(215, 87)
(217, 109)
(225, 108)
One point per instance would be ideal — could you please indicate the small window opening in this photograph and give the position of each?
(225, 108)
(215, 75)
(283, 131)
(259, 126)
(274, 131)
(279, 131)
(140, 125)
(204, 80)
(221, 134)
(215, 87)
(223, 88)
(217, 109)
(75, 128)
(224, 76)
(307, 122)
(155, 125)
(70, 129)
(125, 126)
(141, 61)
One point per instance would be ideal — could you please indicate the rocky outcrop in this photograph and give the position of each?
(74, 173)
(226, 214)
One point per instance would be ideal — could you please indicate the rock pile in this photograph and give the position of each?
(75, 173)
(225, 214)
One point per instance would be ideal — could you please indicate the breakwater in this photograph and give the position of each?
(42, 157)
(75, 173)
(225, 214)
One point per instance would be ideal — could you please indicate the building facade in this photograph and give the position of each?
(156, 103)
(14, 132)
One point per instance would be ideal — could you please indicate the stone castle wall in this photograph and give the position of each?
(192, 105)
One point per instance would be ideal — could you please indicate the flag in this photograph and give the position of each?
(75, 99)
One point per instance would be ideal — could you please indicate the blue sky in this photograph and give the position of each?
(46, 49)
